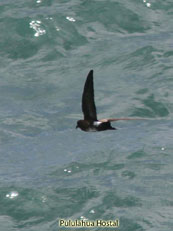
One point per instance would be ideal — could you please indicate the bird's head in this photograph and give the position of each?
(78, 124)
(82, 124)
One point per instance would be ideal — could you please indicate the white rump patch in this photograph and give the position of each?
(97, 123)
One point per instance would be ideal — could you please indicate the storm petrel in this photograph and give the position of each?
(90, 122)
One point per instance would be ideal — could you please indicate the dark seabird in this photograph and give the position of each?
(90, 122)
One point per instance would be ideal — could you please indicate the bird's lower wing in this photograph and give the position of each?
(116, 119)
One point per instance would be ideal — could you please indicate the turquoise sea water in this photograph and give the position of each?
(48, 169)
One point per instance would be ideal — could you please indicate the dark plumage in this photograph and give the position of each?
(90, 122)
(88, 104)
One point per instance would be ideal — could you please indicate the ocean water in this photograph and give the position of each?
(48, 169)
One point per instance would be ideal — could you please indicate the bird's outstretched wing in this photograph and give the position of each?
(88, 104)
(116, 119)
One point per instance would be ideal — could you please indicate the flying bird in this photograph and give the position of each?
(90, 121)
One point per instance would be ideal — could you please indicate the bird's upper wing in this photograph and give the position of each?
(116, 119)
(88, 104)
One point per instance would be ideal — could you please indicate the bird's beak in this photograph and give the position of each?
(77, 126)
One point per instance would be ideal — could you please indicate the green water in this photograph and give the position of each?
(48, 169)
